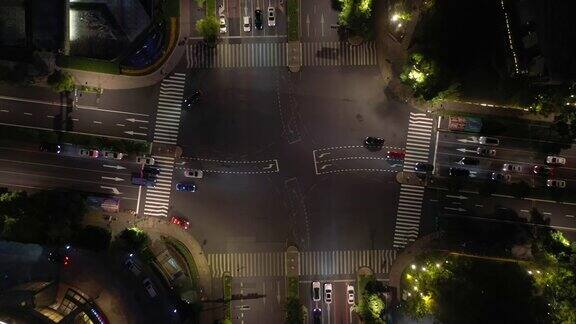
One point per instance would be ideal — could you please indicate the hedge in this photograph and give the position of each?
(88, 64)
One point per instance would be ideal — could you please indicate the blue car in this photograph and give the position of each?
(186, 187)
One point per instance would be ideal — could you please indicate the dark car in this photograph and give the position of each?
(193, 99)
(150, 170)
(500, 177)
(543, 171)
(51, 148)
(457, 172)
(484, 151)
(317, 315)
(395, 155)
(373, 143)
(469, 161)
(258, 19)
(186, 187)
(423, 167)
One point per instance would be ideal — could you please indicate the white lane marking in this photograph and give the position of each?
(4, 110)
(138, 201)
(28, 114)
(77, 106)
(524, 210)
(571, 216)
(75, 119)
(117, 167)
(97, 122)
(546, 213)
(114, 190)
(134, 120)
(113, 178)
(49, 116)
(143, 127)
(120, 125)
(478, 205)
(135, 133)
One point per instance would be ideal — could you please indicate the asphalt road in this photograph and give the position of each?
(23, 166)
(122, 114)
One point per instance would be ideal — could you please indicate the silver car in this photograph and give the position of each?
(510, 167)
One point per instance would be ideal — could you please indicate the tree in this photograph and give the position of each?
(94, 238)
(356, 16)
(208, 28)
(294, 314)
(135, 239)
(61, 81)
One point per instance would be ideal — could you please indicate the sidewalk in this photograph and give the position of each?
(111, 81)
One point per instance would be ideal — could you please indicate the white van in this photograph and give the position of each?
(247, 24)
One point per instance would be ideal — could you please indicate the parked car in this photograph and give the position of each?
(247, 24)
(350, 293)
(511, 167)
(457, 172)
(146, 160)
(141, 179)
(258, 19)
(328, 293)
(186, 187)
(500, 177)
(193, 173)
(223, 28)
(483, 151)
(468, 161)
(51, 147)
(316, 291)
(192, 99)
(488, 141)
(542, 170)
(89, 153)
(395, 155)
(133, 267)
(373, 143)
(180, 221)
(317, 315)
(149, 287)
(113, 155)
(271, 17)
(555, 183)
(555, 160)
(423, 167)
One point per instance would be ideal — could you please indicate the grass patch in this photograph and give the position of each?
(293, 20)
(227, 293)
(185, 253)
(88, 64)
(22, 134)
(293, 285)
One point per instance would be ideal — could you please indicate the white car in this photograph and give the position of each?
(146, 160)
(271, 17)
(316, 291)
(247, 24)
(328, 293)
(89, 153)
(554, 183)
(194, 173)
(555, 160)
(149, 287)
(488, 141)
(223, 28)
(511, 167)
(113, 155)
(350, 293)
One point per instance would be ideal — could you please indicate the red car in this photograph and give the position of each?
(395, 155)
(180, 221)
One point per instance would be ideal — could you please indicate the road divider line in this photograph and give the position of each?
(55, 166)
(58, 178)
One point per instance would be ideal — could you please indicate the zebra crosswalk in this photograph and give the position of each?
(169, 106)
(338, 53)
(411, 196)
(264, 264)
(245, 55)
(158, 198)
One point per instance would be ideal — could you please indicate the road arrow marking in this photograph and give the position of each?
(460, 209)
(134, 120)
(463, 150)
(325, 166)
(472, 140)
(270, 166)
(115, 178)
(457, 197)
(134, 133)
(117, 167)
(308, 24)
(114, 190)
(323, 155)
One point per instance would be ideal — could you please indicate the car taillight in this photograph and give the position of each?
(66, 261)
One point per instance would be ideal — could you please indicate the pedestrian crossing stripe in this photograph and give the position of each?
(418, 140)
(244, 55)
(157, 199)
(272, 264)
(168, 111)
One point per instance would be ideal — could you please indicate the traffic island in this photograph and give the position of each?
(294, 308)
(294, 45)
(227, 296)
(372, 296)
